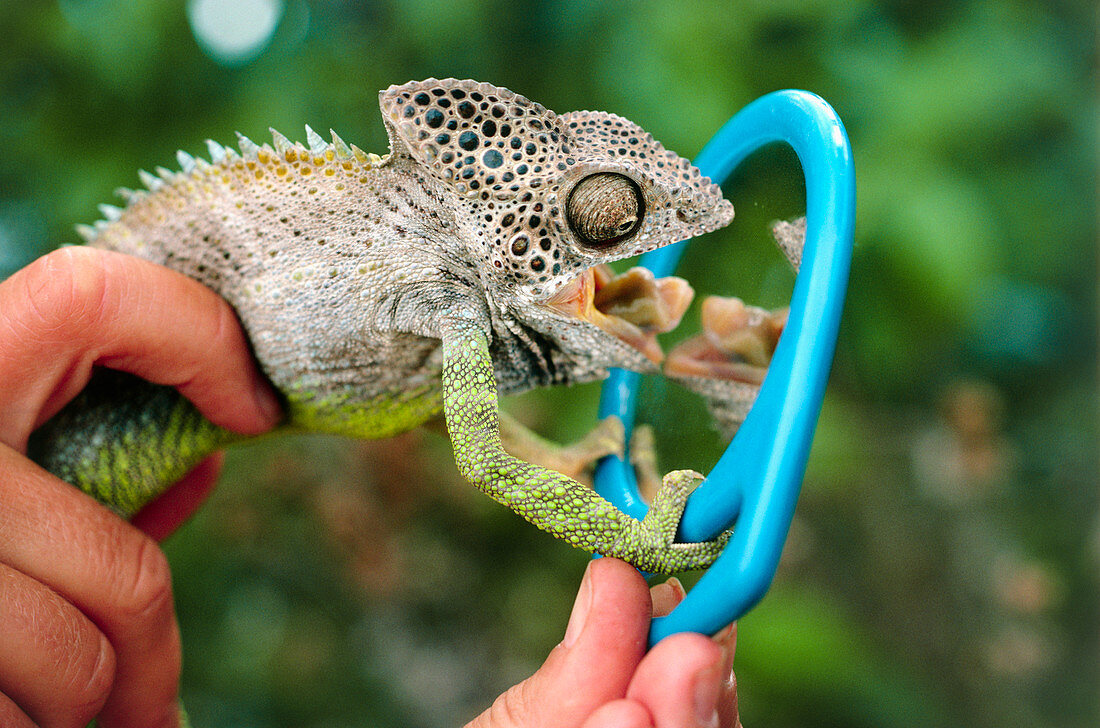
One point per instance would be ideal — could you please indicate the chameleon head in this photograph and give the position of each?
(550, 198)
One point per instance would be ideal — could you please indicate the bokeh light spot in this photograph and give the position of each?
(234, 32)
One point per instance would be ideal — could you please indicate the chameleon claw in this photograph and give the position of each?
(652, 545)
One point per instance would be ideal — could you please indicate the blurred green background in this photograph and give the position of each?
(942, 567)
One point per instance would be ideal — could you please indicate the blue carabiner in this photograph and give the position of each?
(757, 480)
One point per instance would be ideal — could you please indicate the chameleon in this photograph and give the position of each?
(379, 292)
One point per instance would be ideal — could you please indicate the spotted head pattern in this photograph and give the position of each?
(552, 194)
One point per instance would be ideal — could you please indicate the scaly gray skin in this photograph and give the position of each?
(378, 291)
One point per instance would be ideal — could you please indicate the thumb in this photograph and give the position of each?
(592, 666)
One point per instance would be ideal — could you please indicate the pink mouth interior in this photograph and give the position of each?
(737, 341)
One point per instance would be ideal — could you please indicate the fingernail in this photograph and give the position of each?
(581, 608)
(727, 640)
(708, 684)
(666, 596)
(726, 636)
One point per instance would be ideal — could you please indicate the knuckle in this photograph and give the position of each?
(71, 661)
(224, 331)
(90, 683)
(514, 707)
(218, 326)
(67, 287)
(224, 326)
(147, 595)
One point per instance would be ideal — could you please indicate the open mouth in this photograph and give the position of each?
(736, 344)
(634, 306)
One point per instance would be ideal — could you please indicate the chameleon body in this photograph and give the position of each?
(378, 292)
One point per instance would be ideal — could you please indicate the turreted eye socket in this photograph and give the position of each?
(604, 209)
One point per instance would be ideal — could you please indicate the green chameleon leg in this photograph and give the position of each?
(557, 504)
(124, 441)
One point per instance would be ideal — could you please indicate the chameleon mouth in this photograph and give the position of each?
(737, 342)
(634, 306)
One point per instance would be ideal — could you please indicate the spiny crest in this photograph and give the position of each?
(187, 162)
(317, 145)
(343, 151)
(110, 212)
(282, 144)
(217, 151)
(249, 148)
(151, 183)
(221, 156)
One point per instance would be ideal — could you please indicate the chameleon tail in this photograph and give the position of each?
(124, 441)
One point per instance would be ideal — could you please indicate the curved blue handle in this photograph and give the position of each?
(757, 480)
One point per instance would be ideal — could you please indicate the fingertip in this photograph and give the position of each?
(605, 641)
(608, 584)
(267, 403)
(691, 646)
(620, 714)
(582, 605)
(228, 388)
(617, 574)
(680, 680)
(727, 640)
(621, 599)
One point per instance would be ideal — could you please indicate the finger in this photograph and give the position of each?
(667, 596)
(620, 714)
(55, 666)
(165, 514)
(603, 644)
(606, 635)
(107, 569)
(728, 716)
(680, 682)
(77, 307)
(11, 715)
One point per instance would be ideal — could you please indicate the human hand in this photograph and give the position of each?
(86, 612)
(600, 675)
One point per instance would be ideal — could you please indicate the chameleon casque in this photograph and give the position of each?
(378, 292)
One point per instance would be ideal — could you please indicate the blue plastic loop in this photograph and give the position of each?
(756, 482)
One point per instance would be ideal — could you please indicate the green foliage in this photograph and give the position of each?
(942, 567)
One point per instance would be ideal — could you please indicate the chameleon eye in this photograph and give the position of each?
(604, 209)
